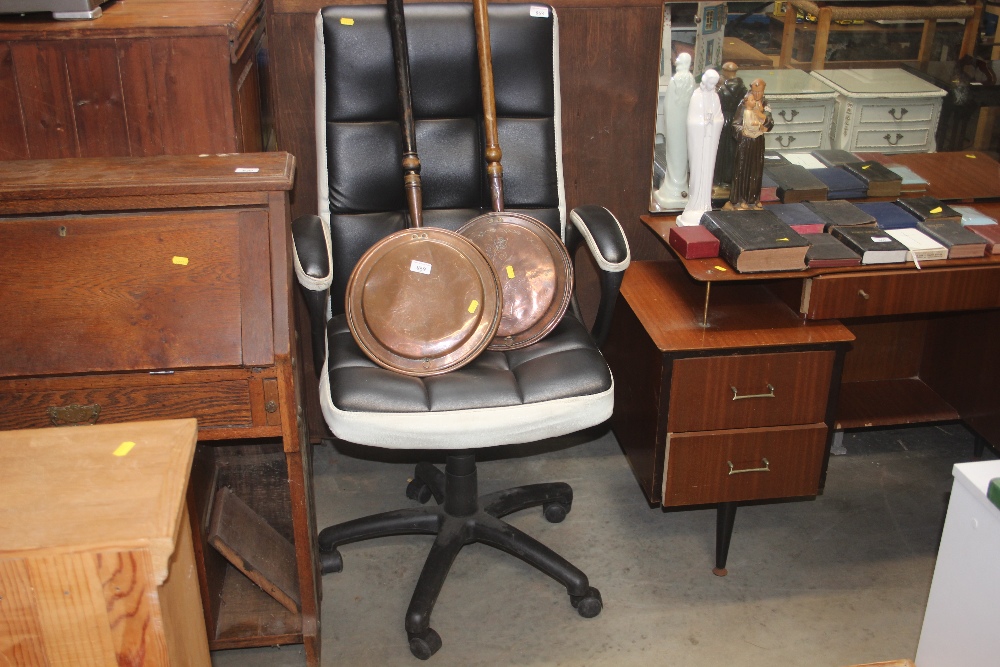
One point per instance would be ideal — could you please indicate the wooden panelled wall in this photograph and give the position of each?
(608, 52)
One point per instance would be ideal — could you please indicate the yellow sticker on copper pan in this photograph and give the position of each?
(473, 306)
(510, 271)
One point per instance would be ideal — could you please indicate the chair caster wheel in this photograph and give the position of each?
(555, 512)
(425, 644)
(330, 561)
(417, 490)
(588, 605)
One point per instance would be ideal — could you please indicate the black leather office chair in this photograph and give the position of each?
(554, 387)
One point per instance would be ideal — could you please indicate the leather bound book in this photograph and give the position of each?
(972, 217)
(774, 158)
(929, 208)
(693, 242)
(799, 217)
(959, 241)
(889, 216)
(840, 213)
(873, 244)
(992, 235)
(796, 184)
(834, 157)
(768, 189)
(756, 240)
(840, 183)
(825, 251)
(880, 180)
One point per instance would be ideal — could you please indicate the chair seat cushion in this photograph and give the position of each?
(556, 386)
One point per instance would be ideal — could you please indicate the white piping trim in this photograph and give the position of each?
(557, 122)
(322, 167)
(465, 429)
(613, 267)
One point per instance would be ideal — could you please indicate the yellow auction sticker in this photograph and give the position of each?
(124, 448)
(182, 261)
(473, 306)
(346, 21)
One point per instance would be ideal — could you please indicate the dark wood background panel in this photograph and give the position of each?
(143, 90)
(255, 292)
(45, 99)
(885, 348)
(13, 141)
(97, 99)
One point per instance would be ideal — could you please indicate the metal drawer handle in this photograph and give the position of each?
(737, 397)
(766, 468)
(902, 112)
(888, 138)
(784, 144)
(863, 294)
(74, 415)
(793, 114)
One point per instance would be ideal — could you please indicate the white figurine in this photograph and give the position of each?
(704, 125)
(672, 193)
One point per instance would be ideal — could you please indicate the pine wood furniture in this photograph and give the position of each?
(149, 77)
(161, 287)
(97, 564)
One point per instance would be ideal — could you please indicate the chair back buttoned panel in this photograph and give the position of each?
(361, 188)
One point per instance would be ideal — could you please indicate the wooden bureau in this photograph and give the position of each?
(739, 407)
(802, 107)
(154, 288)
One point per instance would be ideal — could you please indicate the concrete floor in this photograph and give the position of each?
(839, 580)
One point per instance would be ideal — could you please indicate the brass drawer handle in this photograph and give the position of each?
(737, 397)
(766, 468)
(889, 140)
(74, 415)
(863, 294)
(784, 144)
(793, 114)
(902, 112)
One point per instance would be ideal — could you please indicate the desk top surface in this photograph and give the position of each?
(86, 489)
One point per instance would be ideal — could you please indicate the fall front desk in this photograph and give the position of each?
(729, 387)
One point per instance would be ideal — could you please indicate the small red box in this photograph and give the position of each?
(694, 242)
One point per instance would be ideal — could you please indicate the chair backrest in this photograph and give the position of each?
(358, 132)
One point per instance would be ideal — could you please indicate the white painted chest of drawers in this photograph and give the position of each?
(884, 110)
(801, 105)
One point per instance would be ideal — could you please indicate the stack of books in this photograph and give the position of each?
(879, 180)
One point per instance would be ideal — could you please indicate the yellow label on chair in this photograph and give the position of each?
(510, 271)
(183, 261)
(473, 306)
(345, 21)
(124, 448)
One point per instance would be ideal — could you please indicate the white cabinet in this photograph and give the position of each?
(960, 621)
(883, 110)
(802, 108)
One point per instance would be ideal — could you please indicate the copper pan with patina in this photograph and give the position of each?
(531, 261)
(424, 300)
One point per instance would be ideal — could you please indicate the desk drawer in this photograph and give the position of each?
(751, 464)
(749, 391)
(788, 113)
(221, 403)
(901, 292)
(899, 111)
(888, 140)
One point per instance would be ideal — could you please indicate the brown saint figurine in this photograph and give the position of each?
(731, 91)
(751, 121)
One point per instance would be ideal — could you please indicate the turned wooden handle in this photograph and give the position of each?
(494, 170)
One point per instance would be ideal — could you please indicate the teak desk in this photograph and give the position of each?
(159, 288)
(96, 561)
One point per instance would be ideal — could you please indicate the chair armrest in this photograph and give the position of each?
(605, 238)
(314, 270)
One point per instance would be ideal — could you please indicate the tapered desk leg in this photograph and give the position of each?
(724, 520)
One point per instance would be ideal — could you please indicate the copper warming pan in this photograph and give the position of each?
(530, 259)
(424, 300)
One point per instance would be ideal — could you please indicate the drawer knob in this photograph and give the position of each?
(888, 139)
(781, 141)
(737, 397)
(863, 294)
(902, 112)
(74, 415)
(765, 463)
(791, 116)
